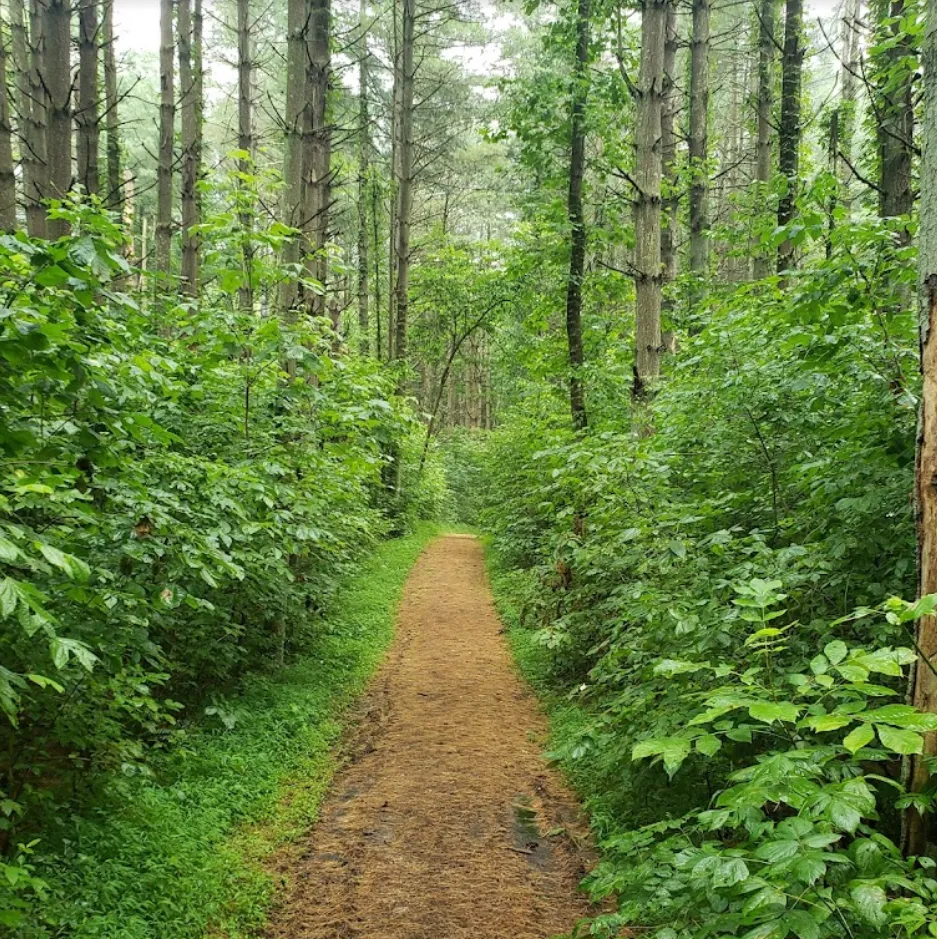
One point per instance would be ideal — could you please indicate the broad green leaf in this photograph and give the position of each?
(835, 651)
(860, 737)
(870, 900)
(901, 741)
(771, 711)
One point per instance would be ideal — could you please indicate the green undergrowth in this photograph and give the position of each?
(180, 855)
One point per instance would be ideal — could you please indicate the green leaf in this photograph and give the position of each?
(826, 722)
(862, 735)
(708, 744)
(835, 651)
(9, 552)
(802, 924)
(771, 711)
(9, 596)
(870, 900)
(899, 740)
(74, 567)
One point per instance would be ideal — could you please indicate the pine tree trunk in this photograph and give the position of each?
(670, 202)
(404, 180)
(394, 180)
(790, 129)
(895, 112)
(7, 173)
(699, 138)
(190, 105)
(32, 137)
(577, 254)
(850, 33)
(246, 146)
(364, 157)
(647, 211)
(111, 120)
(766, 45)
(57, 77)
(87, 117)
(292, 211)
(918, 830)
(317, 151)
(167, 116)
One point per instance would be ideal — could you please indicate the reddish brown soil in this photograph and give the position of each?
(445, 823)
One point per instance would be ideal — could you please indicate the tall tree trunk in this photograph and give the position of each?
(31, 130)
(376, 246)
(293, 145)
(404, 180)
(58, 83)
(246, 146)
(188, 89)
(317, 150)
(394, 179)
(765, 103)
(111, 120)
(577, 225)
(364, 157)
(699, 138)
(7, 173)
(918, 829)
(792, 67)
(647, 211)
(167, 116)
(668, 146)
(87, 117)
(895, 113)
(850, 33)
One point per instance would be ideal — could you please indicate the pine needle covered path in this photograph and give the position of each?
(445, 823)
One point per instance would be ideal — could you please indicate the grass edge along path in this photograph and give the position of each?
(184, 858)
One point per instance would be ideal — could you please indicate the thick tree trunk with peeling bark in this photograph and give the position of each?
(699, 138)
(577, 225)
(317, 151)
(7, 173)
(87, 117)
(919, 830)
(364, 158)
(115, 193)
(57, 79)
(167, 115)
(246, 146)
(647, 212)
(404, 178)
(792, 66)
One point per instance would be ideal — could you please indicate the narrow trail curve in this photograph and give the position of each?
(445, 823)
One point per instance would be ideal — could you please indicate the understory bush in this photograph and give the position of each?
(711, 578)
(186, 486)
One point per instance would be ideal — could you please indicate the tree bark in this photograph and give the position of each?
(577, 225)
(918, 829)
(115, 194)
(699, 138)
(767, 16)
(246, 146)
(364, 157)
(293, 145)
(32, 134)
(191, 145)
(57, 78)
(87, 117)
(895, 114)
(647, 211)
(317, 151)
(668, 142)
(404, 180)
(7, 173)
(790, 129)
(167, 116)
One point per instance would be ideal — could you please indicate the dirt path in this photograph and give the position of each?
(444, 824)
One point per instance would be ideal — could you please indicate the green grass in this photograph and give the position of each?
(183, 855)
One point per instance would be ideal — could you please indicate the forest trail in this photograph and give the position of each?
(445, 823)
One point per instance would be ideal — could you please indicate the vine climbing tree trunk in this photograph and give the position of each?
(647, 212)
(792, 66)
(577, 225)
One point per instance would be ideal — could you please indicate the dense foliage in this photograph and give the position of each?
(186, 487)
(716, 599)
